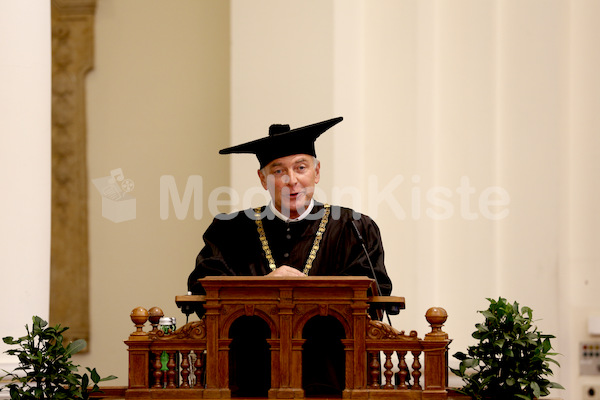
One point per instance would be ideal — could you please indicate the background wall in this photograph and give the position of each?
(158, 108)
(469, 135)
(24, 167)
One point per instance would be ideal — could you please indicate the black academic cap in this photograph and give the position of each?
(283, 142)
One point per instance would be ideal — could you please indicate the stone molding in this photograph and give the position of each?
(72, 59)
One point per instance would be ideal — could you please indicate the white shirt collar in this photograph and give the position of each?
(286, 219)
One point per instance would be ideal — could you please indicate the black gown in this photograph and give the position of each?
(232, 247)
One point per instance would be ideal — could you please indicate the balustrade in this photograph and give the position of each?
(380, 361)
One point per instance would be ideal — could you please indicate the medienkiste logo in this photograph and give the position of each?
(118, 204)
(404, 198)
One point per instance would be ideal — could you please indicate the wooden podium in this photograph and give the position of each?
(198, 353)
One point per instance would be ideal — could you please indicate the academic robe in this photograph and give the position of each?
(233, 247)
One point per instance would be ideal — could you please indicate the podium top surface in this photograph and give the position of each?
(320, 283)
(272, 281)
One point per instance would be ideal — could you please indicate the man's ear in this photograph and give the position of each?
(263, 179)
(318, 172)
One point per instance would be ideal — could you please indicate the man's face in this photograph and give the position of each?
(291, 182)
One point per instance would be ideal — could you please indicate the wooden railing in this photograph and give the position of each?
(173, 365)
(380, 361)
(167, 361)
(416, 359)
(118, 393)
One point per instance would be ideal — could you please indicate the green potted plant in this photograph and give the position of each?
(45, 368)
(511, 359)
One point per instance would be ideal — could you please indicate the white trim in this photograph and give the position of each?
(282, 217)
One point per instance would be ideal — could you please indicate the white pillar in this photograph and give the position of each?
(25, 165)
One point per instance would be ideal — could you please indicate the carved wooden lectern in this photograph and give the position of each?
(193, 361)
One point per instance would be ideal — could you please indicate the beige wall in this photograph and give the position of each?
(158, 105)
(468, 102)
(25, 164)
(502, 94)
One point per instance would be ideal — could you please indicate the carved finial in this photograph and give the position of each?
(436, 316)
(139, 316)
(155, 314)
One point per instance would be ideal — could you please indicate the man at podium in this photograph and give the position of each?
(293, 235)
(280, 239)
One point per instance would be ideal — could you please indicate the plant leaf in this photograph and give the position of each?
(76, 346)
(108, 378)
(470, 362)
(555, 385)
(95, 376)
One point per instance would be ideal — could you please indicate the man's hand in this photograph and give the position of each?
(286, 270)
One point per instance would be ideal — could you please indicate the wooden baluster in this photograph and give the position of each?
(171, 374)
(157, 372)
(185, 369)
(194, 369)
(436, 357)
(192, 361)
(374, 370)
(369, 362)
(416, 371)
(199, 368)
(403, 370)
(388, 373)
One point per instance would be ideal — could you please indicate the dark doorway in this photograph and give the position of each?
(323, 359)
(249, 358)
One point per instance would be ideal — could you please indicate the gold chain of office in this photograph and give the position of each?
(315, 247)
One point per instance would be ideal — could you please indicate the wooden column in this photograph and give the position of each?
(435, 347)
(360, 326)
(286, 310)
(213, 308)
